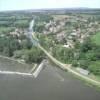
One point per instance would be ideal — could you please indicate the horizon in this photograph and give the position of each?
(42, 9)
(17, 5)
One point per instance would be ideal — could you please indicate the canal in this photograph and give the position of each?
(51, 84)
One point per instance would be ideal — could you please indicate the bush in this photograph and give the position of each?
(18, 53)
(84, 64)
(75, 63)
(95, 67)
(87, 45)
(34, 55)
(63, 54)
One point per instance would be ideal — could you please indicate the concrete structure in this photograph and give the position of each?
(82, 71)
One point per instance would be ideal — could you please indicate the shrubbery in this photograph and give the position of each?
(89, 56)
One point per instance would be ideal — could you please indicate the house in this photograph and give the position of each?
(60, 36)
(66, 46)
(2, 35)
(74, 34)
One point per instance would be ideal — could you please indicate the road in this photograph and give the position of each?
(61, 65)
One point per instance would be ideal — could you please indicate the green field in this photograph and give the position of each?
(96, 38)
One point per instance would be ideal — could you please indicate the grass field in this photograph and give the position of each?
(96, 38)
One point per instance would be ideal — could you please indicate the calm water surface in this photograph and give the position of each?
(51, 84)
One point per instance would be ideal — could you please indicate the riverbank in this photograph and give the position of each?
(69, 68)
(6, 67)
(63, 66)
(12, 66)
(90, 75)
(12, 59)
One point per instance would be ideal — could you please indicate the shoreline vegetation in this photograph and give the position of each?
(63, 66)
(12, 59)
(32, 72)
(68, 67)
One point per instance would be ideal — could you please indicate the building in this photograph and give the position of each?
(82, 71)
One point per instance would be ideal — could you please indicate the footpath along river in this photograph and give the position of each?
(51, 84)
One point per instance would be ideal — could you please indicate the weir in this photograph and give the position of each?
(37, 71)
(67, 67)
(16, 73)
(35, 43)
(33, 71)
(34, 67)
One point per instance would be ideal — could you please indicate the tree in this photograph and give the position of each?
(75, 63)
(39, 28)
(63, 54)
(95, 67)
(9, 45)
(34, 55)
(26, 44)
(87, 45)
(21, 23)
(83, 64)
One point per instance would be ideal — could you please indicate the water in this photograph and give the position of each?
(31, 31)
(31, 25)
(13, 66)
(51, 84)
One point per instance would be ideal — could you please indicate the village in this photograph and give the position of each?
(62, 35)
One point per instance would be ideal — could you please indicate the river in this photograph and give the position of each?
(51, 84)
